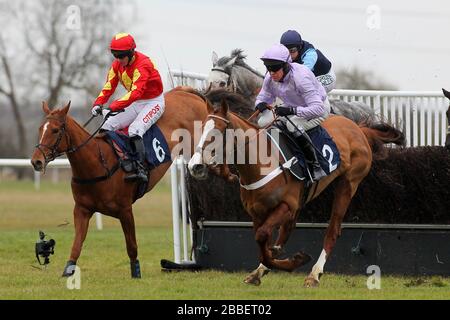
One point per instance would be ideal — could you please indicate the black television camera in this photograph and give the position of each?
(44, 249)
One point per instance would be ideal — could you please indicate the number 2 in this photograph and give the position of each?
(328, 155)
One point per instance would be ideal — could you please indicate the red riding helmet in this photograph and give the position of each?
(123, 42)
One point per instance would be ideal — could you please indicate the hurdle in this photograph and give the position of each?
(183, 235)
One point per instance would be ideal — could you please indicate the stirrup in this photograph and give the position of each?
(137, 177)
(139, 174)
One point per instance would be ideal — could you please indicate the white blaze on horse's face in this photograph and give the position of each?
(44, 130)
(218, 79)
(197, 158)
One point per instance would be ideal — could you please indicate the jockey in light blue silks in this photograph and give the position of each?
(305, 100)
(304, 53)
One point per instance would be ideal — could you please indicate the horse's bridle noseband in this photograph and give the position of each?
(54, 153)
(227, 73)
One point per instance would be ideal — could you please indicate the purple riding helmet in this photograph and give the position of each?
(276, 54)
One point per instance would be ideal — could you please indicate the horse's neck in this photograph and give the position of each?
(246, 80)
(257, 162)
(86, 157)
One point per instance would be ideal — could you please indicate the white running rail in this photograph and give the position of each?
(420, 114)
(58, 163)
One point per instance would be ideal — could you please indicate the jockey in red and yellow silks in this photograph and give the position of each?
(143, 104)
(140, 79)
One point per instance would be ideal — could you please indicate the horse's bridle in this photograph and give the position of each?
(223, 71)
(202, 149)
(54, 153)
(220, 118)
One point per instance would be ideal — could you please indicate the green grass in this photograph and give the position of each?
(104, 264)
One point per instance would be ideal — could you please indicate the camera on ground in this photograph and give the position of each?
(44, 248)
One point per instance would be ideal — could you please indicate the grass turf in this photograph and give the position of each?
(105, 272)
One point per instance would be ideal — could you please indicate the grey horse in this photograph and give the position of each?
(234, 74)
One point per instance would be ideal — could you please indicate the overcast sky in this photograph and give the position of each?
(407, 44)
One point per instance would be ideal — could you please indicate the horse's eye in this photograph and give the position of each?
(55, 130)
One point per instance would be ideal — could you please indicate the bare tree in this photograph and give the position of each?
(358, 79)
(69, 39)
(50, 49)
(8, 88)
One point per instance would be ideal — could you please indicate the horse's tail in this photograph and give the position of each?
(378, 134)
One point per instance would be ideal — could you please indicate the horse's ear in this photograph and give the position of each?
(45, 107)
(65, 110)
(231, 62)
(446, 93)
(214, 58)
(224, 107)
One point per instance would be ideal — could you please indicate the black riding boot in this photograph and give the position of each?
(137, 146)
(306, 144)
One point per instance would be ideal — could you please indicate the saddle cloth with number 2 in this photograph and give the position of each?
(326, 150)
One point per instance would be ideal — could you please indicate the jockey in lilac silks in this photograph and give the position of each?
(305, 101)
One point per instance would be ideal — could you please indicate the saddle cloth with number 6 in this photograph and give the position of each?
(326, 150)
(156, 149)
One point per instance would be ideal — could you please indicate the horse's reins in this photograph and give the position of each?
(55, 153)
(250, 139)
(53, 149)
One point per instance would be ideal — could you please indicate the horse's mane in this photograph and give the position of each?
(57, 112)
(240, 57)
(238, 103)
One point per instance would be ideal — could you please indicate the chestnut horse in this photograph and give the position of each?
(92, 158)
(278, 199)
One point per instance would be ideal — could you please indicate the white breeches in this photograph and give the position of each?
(139, 116)
(267, 116)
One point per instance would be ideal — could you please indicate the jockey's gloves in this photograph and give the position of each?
(96, 110)
(285, 111)
(262, 106)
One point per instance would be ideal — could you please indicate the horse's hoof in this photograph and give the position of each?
(253, 280)
(300, 258)
(135, 269)
(69, 270)
(311, 283)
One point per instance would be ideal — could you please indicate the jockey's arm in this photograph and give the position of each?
(109, 88)
(309, 58)
(265, 95)
(140, 80)
(314, 105)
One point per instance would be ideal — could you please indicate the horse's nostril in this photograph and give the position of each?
(222, 84)
(37, 165)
